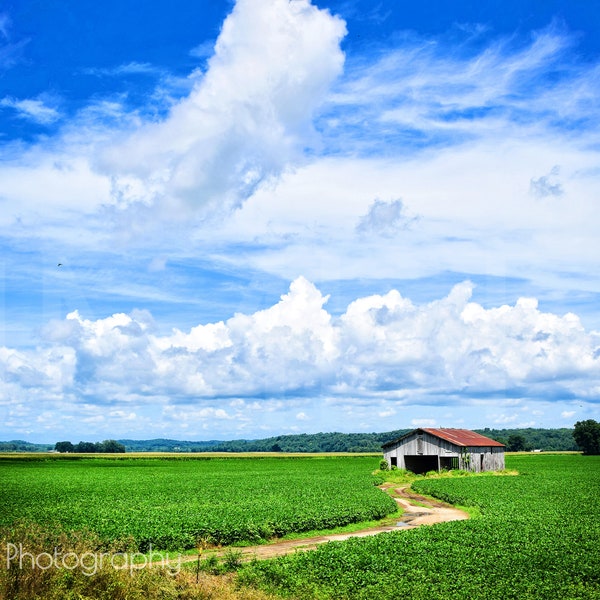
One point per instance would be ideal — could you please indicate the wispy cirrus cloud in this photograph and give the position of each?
(425, 92)
(37, 110)
(4, 25)
(131, 68)
(11, 49)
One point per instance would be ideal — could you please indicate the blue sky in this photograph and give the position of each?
(241, 219)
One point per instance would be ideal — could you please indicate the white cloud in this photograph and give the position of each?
(244, 120)
(21, 184)
(33, 109)
(505, 420)
(386, 413)
(383, 353)
(423, 422)
(547, 185)
(203, 50)
(385, 218)
(131, 68)
(10, 49)
(425, 90)
(476, 215)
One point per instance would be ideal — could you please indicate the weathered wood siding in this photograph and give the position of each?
(472, 458)
(482, 458)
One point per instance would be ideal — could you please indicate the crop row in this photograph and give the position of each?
(172, 504)
(538, 537)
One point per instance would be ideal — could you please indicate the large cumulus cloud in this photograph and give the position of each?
(382, 346)
(244, 119)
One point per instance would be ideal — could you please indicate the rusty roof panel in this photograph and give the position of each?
(459, 437)
(462, 437)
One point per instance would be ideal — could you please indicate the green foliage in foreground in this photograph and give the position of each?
(537, 538)
(169, 504)
(48, 563)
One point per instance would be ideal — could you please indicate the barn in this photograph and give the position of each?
(432, 449)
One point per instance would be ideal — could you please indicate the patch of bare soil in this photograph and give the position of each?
(426, 512)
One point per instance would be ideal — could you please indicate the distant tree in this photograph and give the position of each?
(111, 446)
(276, 448)
(85, 447)
(516, 443)
(64, 447)
(587, 436)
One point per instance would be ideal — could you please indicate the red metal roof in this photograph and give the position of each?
(461, 437)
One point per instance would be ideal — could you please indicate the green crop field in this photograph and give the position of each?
(170, 503)
(538, 538)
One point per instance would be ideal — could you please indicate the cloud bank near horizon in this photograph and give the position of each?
(383, 353)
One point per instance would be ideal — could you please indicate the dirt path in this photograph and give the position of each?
(417, 511)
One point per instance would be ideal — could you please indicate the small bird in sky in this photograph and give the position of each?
(59, 265)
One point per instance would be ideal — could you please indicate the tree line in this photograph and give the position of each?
(105, 447)
(547, 440)
(584, 436)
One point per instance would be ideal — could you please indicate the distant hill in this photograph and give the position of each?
(166, 445)
(538, 439)
(21, 446)
(304, 442)
(547, 440)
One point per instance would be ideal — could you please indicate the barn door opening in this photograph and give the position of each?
(420, 464)
(449, 462)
